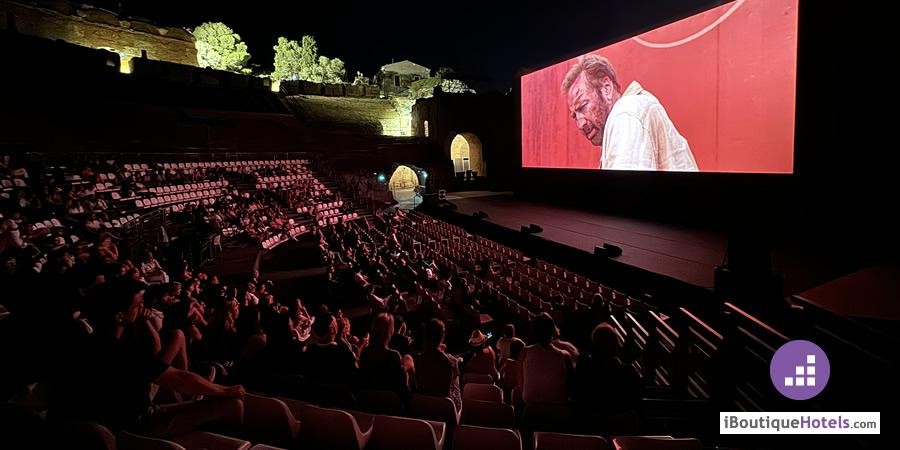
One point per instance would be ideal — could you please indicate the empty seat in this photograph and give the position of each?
(324, 428)
(392, 433)
(269, 420)
(130, 441)
(202, 439)
(434, 408)
(488, 414)
(484, 392)
(83, 435)
(558, 441)
(468, 437)
(655, 443)
(476, 378)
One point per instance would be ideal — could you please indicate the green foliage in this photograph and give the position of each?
(287, 60)
(455, 87)
(309, 58)
(330, 70)
(219, 47)
(301, 61)
(424, 88)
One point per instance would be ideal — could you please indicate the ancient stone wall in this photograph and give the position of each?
(98, 28)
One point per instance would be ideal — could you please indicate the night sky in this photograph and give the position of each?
(486, 42)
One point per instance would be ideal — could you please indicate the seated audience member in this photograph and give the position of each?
(565, 346)
(111, 383)
(381, 367)
(546, 370)
(376, 304)
(603, 385)
(326, 361)
(504, 343)
(107, 250)
(437, 372)
(511, 368)
(152, 270)
(400, 341)
(480, 358)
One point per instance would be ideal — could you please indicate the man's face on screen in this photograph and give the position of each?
(589, 108)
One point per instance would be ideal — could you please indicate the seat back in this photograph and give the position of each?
(430, 407)
(488, 414)
(468, 437)
(324, 428)
(131, 441)
(476, 378)
(391, 433)
(269, 420)
(558, 441)
(484, 392)
(655, 443)
(85, 435)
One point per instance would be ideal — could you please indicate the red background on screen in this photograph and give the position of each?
(730, 92)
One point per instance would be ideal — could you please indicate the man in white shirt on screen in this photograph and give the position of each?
(632, 126)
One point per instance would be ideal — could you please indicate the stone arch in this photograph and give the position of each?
(466, 154)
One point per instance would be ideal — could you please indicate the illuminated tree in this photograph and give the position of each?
(424, 88)
(287, 60)
(301, 61)
(331, 70)
(309, 59)
(456, 87)
(219, 47)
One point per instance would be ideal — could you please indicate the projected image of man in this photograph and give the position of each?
(632, 127)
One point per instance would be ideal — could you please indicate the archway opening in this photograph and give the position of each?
(404, 186)
(466, 153)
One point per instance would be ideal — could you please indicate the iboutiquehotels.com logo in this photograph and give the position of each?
(800, 370)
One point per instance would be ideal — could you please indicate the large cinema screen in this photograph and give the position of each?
(714, 92)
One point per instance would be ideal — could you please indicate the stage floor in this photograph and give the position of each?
(688, 255)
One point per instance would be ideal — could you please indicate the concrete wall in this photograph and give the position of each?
(97, 28)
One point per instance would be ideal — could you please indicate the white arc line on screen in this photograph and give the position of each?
(696, 35)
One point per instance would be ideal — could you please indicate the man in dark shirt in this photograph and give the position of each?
(604, 386)
(326, 361)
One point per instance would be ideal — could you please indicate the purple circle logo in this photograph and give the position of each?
(800, 370)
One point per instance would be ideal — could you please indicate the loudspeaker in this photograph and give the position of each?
(535, 228)
(479, 215)
(612, 250)
(607, 250)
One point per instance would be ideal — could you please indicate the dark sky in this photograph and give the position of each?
(487, 42)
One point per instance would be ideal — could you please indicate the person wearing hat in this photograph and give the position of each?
(481, 358)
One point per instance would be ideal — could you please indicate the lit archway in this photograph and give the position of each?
(466, 153)
(404, 186)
